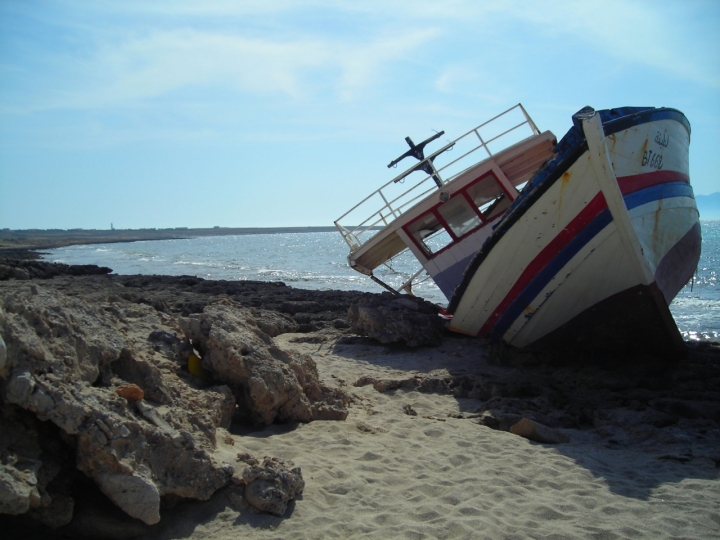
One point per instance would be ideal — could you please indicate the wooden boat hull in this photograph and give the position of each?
(594, 251)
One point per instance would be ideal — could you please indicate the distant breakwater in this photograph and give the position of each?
(15, 242)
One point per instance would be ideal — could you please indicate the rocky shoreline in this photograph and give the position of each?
(99, 392)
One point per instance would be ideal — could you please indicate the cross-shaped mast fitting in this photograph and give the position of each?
(418, 152)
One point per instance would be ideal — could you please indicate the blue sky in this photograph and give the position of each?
(286, 112)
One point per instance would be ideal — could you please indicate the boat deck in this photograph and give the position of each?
(511, 167)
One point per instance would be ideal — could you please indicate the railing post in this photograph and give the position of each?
(482, 143)
(536, 131)
(345, 234)
(387, 204)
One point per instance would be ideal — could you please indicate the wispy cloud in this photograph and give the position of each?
(665, 37)
(362, 65)
(259, 49)
(159, 63)
(634, 32)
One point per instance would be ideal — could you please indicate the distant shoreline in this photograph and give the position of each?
(28, 243)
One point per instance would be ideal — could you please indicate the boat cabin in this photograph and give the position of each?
(444, 225)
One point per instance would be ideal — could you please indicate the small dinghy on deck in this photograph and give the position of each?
(579, 245)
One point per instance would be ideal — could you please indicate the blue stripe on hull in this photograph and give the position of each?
(540, 281)
(659, 191)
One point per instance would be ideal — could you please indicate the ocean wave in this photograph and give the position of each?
(197, 263)
(691, 335)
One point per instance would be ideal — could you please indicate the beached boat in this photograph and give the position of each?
(602, 236)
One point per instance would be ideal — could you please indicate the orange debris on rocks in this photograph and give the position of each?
(131, 392)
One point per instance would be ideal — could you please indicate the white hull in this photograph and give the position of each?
(607, 225)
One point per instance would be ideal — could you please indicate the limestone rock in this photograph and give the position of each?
(402, 319)
(271, 485)
(20, 273)
(26, 269)
(269, 383)
(65, 358)
(537, 432)
(142, 374)
(137, 496)
(17, 490)
(274, 323)
(303, 306)
(34, 473)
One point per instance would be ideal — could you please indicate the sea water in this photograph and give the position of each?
(318, 261)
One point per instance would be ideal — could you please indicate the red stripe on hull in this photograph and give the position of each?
(636, 182)
(579, 222)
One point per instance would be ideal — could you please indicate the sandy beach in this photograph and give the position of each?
(385, 474)
(425, 450)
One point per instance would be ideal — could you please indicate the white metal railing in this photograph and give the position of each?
(389, 202)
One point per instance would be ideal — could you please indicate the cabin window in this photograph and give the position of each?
(466, 211)
(484, 191)
(489, 197)
(429, 233)
(496, 207)
(459, 216)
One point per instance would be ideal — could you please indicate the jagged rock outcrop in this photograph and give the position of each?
(109, 373)
(403, 319)
(23, 269)
(270, 486)
(65, 359)
(270, 384)
(273, 323)
(35, 469)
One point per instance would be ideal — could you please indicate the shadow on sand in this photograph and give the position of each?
(636, 424)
